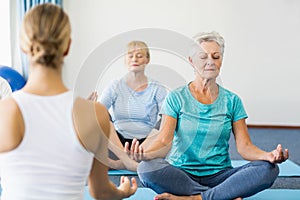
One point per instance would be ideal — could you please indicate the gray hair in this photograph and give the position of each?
(207, 37)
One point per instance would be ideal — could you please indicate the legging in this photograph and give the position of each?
(243, 181)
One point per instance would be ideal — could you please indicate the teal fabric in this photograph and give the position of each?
(200, 144)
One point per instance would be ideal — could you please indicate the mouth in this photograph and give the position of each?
(210, 70)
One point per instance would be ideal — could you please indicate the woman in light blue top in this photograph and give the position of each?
(134, 103)
(196, 125)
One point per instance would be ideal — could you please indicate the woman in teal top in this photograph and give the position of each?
(197, 120)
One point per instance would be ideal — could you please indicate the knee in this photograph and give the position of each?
(147, 170)
(150, 166)
(270, 172)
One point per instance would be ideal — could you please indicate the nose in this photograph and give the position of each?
(210, 60)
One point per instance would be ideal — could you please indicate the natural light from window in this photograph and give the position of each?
(5, 49)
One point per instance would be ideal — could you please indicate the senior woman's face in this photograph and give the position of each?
(208, 60)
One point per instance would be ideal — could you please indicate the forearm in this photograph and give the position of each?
(158, 149)
(252, 152)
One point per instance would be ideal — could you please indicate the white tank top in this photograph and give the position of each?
(50, 162)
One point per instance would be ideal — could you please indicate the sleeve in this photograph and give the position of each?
(171, 105)
(159, 99)
(109, 94)
(238, 109)
(162, 92)
(5, 89)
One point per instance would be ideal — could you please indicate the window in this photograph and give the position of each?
(5, 47)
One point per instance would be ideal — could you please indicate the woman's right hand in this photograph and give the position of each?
(126, 187)
(136, 151)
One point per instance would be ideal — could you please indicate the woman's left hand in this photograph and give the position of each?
(278, 155)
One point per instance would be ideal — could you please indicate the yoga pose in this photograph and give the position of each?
(197, 120)
(134, 102)
(51, 143)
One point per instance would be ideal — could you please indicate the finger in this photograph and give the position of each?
(286, 155)
(136, 147)
(141, 150)
(279, 147)
(134, 185)
(125, 179)
(126, 147)
(132, 144)
(122, 179)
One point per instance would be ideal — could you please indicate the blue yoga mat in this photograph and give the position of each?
(121, 173)
(140, 194)
(271, 194)
(276, 194)
(288, 168)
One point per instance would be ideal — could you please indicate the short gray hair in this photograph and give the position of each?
(207, 37)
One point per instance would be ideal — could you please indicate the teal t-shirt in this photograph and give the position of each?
(200, 144)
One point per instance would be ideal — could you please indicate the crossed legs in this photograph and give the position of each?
(233, 183)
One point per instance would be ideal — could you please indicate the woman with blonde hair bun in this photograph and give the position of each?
(48, 148)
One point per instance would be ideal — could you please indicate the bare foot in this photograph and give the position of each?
(168, 196)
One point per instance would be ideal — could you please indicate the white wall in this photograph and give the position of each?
(262, 59)
(5, 50)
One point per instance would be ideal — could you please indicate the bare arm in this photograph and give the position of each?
(92, 124)
(249, 151)
(162, 144)
(11, 125)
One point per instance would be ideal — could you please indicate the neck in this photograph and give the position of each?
(205, 91)
(205, 85)
(138, 81)
(45, 81)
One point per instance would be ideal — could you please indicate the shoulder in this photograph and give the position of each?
(11, 124)
(229, 94)
(179, 92)
(91, 110)
(158, 87)
(177, 96)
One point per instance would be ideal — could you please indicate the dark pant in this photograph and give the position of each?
(124, 140)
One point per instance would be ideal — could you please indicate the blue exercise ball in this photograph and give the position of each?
(14, 78)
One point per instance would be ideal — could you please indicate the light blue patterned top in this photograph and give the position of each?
(134, 114)
(200, 144)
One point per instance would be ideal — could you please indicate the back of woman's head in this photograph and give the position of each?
(45, 35)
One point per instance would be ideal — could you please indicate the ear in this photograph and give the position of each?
(191, 62)
(68, 48)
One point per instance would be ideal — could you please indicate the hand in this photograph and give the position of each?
(93, 96)
(136, 151)
(126, 188)
(278, 156)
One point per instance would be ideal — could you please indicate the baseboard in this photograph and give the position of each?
(273, 126)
